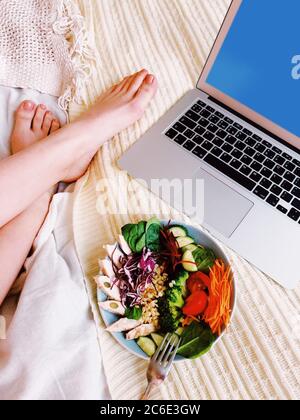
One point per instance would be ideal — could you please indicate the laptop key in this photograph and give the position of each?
(223, 124)
(282, 209)
(180, 139)
(199, 152)
(198, 140)
(248, 132)
(260, 148)
(255, 176)
(290, 166)
(189, 145)
(259, 157)
(214, 119)
(272, 200)
(267, 144)
(218, 142)
(297, 172)
(199, 130)
(179, 127)
(256, 166)
(250, 142)
(204, 113)
(286, 185)
(212, 128)
(232, 130)
(189, 133)
(219, 114)
(227, 148)
(294, 214)
(237, 153)
(209, 136)
(296, 203)
(196, 108)
(261, 192)
(269, 154)
(241, 136)
(287, 197)
(279, 170)
(266, 172)
(188, 123)
(210, 108)
(265, 183)
(203, 122)
(279, 160)
(222, 134)
(171, 133)
(256, 137)
(230, 172)
(202, 104)
(246, 160)
(229, 120)
(296, 162)
(245, 170)
(250, 152)
(240, 145)
(296, 192)
(216, 151)
(193, 116)
(207, 145)
(276, 179)
(269, 164)
(286, 156)
(226, 157)
(276, 190)
(276, 150)
(297, 182)
(289, 176)
(231, 140)
(238, 126)
(236, 164)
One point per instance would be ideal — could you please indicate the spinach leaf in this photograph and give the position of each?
(197, 340)
(133, 313)
(204, 258)
(141, 235)
(153, 229)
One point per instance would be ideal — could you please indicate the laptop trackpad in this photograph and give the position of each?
(224, 208)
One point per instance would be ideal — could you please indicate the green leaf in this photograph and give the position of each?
(197, 340)
(134, 313)
(153, 237)
(204, 258)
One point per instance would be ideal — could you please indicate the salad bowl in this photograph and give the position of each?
(204, 240)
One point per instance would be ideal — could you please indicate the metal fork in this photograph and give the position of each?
(161, 363)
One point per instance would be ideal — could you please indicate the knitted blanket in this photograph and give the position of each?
(259, 357)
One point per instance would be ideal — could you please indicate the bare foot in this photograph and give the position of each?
(32, 123)
(118, 108)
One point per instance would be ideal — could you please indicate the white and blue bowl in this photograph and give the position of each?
(200, 238)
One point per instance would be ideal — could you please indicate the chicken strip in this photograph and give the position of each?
(104, 283)
(124, 324)
(114, 253)
(141, 331)
(107, 268)
(112, 306)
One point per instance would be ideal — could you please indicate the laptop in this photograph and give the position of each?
(239, 132)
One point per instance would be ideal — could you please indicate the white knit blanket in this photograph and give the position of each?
(259, 357)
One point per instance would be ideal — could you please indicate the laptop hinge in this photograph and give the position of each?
(257, 126)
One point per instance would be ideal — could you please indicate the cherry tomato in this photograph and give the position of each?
(198, 281)
(196, 303)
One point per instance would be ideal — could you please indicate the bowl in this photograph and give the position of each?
(200, 238)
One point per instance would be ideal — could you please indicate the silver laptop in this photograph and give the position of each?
(239, 132)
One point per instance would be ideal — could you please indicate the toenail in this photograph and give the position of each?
(43, 106)
(28, 105)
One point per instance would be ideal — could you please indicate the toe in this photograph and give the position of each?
(25, 114)
(39, 117)
(145, 93)
(46, 125)
(54, 126)
(136, 81)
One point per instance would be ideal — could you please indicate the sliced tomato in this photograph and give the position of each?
(198, 281)
(196, 303)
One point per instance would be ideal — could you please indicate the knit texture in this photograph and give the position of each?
(44, 46)
(259, 357)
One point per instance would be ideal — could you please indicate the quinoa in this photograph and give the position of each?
(151, 295)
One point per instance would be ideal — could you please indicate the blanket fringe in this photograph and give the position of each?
(69, 23)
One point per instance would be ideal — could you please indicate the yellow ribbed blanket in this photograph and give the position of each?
(259, 358)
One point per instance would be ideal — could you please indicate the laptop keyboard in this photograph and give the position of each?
(246, 158)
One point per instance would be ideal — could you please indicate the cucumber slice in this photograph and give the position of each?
(147, 345)
(184, 241)
(190, 247)
(178, 231)
(157, 338)
(189, 263)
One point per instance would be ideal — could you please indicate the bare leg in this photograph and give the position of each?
(67, 153)
(16, 238)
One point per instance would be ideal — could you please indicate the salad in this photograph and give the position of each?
(158, 280)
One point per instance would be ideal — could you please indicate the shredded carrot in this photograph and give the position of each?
(217, 314)
(187, 321)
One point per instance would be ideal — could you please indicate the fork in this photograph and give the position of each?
(161, 363)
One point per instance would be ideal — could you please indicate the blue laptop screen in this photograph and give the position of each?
(259, 62)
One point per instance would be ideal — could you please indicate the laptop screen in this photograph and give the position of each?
(258, 64)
